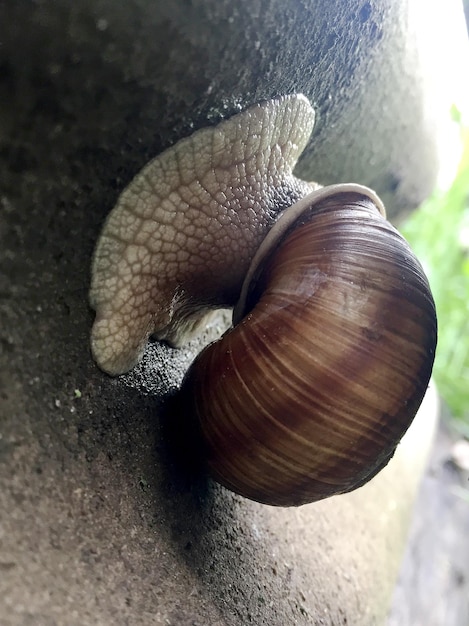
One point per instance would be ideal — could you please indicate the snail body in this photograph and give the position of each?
(182, 235)
(311, 391)
(334, 331)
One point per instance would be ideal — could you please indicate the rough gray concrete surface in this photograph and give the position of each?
(433, 584)
(105, 87)
(102, 519)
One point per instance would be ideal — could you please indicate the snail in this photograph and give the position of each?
(334, 326)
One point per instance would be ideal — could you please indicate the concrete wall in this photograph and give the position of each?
(100, 521)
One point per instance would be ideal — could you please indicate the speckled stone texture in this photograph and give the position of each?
(101, 521)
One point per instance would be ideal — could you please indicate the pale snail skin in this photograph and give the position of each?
(194, 231)
(182, 235)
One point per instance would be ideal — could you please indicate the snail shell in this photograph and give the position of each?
(309, 393)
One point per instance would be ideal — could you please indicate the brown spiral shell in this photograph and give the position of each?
(311, 391)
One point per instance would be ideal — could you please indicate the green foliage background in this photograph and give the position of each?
(439, 235)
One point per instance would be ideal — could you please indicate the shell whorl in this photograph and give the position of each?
(310, 393)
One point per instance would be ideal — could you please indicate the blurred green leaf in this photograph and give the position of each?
(438, 233)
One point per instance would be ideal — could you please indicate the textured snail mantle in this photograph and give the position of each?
(334, 332)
